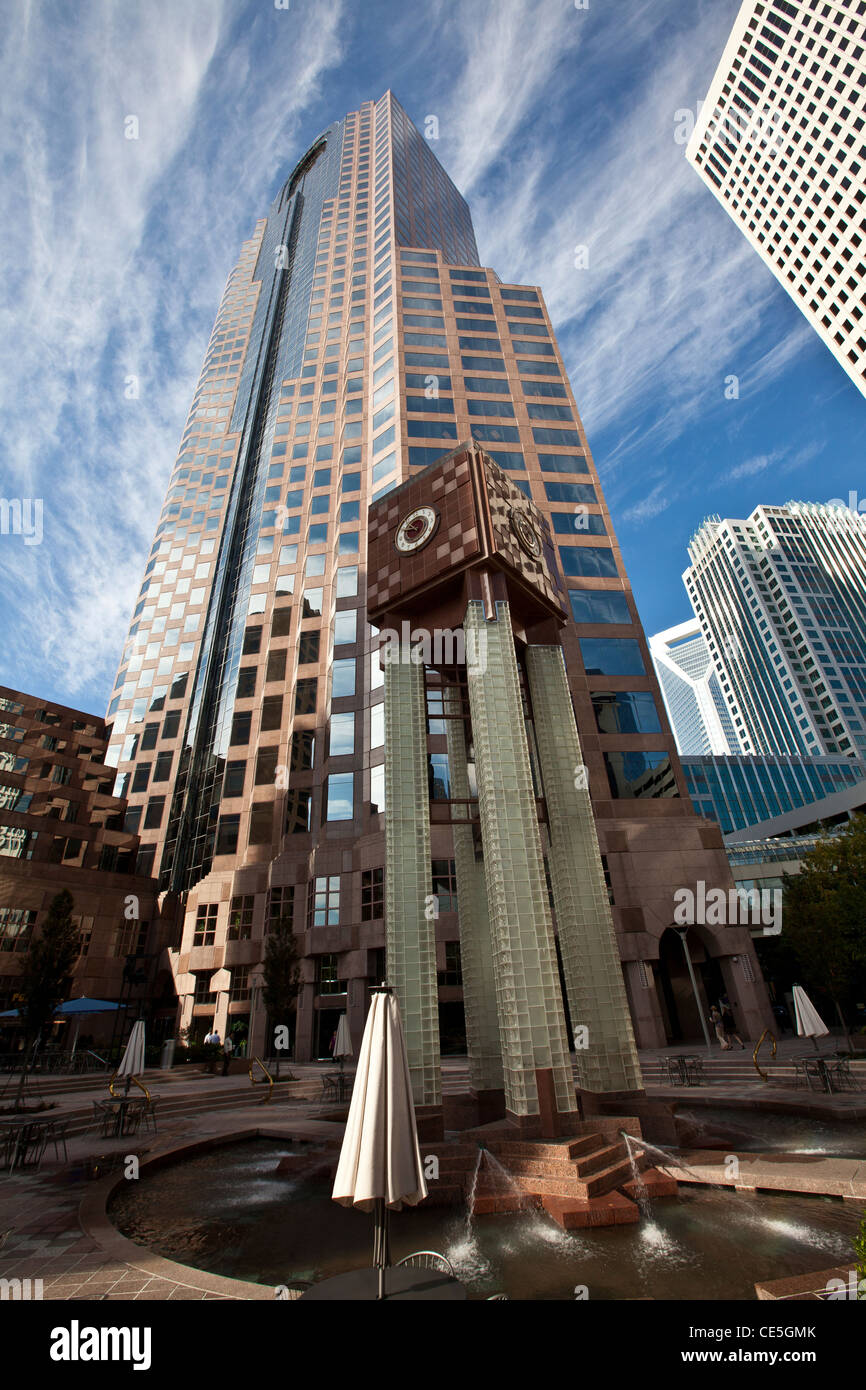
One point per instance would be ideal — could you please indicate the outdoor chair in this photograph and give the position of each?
(149, 1113)
(330, 1087)
(104, 1119)
(7, 1145)
(694, 1071)
(427, 1259)
(57, 1136)
(132, 1119)
(675, 1070)
(841, 1076)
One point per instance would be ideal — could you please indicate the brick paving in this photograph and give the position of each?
(41, 1236)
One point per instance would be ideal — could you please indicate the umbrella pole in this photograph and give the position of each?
(381, 1242)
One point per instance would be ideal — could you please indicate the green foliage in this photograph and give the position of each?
(824, 918)
(281, 971)
(48, 965)
(859, 1243)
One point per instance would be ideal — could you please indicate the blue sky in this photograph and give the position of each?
(557, 123)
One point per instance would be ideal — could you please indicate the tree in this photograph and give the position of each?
(281, 972)
(47, 973)
(824, 918)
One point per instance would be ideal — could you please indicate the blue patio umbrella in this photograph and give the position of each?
(77, 1009)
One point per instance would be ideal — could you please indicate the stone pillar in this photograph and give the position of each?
(587, 940)
(537, 1068)
(476, 952)
(646, 1015)
(410, 940)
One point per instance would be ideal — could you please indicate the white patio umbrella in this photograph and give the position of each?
(343, 1041)
(809, 1021)
(132, 1061)
(380, 1162)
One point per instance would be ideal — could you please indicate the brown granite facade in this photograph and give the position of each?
(61, 827)
(406, 346)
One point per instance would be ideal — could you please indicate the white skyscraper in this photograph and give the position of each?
(692, 691)
(781, 600)
(780, 142)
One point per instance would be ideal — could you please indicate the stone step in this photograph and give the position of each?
(601, 1158)
(604, 1180)
(574, 1213)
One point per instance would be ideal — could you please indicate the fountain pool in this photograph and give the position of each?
(229, 1213)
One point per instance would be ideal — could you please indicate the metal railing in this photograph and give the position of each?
(257, 1061)
(764, 1075)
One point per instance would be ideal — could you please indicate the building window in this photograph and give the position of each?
(445, 884)
(16, 928)
(239, 991)
(453, 972)
(372, 895)
(340, 803)
(324, 902)
(640, 774)
(203, 992)
(327, 979)
(241, 918)
(281, 905)
(205, 924)
(305, 696)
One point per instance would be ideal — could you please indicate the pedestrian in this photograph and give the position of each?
(730, 1030)
(719, 1029)
(228, 1049)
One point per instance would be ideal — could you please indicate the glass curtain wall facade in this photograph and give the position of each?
(359, 339)
(781, 599)
(691, 690)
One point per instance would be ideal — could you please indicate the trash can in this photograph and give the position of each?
(166, 1061)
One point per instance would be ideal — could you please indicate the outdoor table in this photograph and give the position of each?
(816, 1067)
(400, 1282)
(24, 1127)
(122, 1102)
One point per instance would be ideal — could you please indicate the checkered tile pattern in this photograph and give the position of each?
(463, 537)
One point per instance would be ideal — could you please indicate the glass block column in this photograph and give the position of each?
(531, 1017)
(476, 954)
(593, 976)
(410, 940)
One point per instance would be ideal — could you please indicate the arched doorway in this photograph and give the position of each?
(680, 1012)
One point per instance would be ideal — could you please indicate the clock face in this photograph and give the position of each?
(416, 529)
(526, 533)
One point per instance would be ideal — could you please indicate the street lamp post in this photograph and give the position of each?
(682, 933)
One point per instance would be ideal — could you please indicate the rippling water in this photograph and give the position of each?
(230, 1213)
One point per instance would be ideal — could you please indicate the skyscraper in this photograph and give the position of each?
(692, 691)
(358, 340)
(781, 599)
(780, 142)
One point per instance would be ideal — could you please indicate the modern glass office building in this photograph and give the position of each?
(781, 599)
(748, 791)
(358, 340)
(780, 142)
(692, 691)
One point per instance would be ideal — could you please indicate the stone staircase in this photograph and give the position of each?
(587, 1180)
(73, 1099)
(737, 1068)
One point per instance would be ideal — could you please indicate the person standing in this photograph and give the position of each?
(731, 1034)
(228, 1049)
(719, 1029)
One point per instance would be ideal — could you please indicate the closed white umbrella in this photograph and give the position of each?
(380, 1162)
(132, 1061)
(809, 1021)
(343, 1041)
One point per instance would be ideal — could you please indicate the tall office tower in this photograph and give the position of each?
(780, 142)
(692, 691)
(358, 340)
(781, 600)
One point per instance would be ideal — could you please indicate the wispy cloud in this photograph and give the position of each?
(118, 251)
